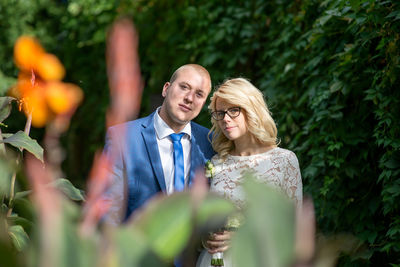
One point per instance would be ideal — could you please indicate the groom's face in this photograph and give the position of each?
(184, 97)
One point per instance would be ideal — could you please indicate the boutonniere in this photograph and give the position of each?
(210, 169)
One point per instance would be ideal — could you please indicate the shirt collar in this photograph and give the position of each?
(163, 130)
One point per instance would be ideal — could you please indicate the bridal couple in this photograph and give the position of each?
(162, 152)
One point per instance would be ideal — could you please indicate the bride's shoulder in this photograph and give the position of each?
(282, 152)
(216, 159)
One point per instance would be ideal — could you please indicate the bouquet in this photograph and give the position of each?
(233, 224)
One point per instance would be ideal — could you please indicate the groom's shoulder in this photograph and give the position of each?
(132, 125)
(199, 128)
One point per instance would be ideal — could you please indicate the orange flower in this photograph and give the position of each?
(27, 50)
(39, 86)
(30, 55)
(62, 97)
(30, 91)
(50, 68)
(35, 103)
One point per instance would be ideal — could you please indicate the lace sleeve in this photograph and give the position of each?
(293, 185)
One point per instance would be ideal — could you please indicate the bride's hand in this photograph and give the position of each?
(218, 242)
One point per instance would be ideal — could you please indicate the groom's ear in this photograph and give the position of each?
(165, 88)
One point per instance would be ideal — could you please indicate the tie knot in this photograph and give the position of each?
(176, 137)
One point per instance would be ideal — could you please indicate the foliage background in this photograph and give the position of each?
(329, 71)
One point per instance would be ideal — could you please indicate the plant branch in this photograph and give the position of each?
(28, 124)
(11, 200)
(14, 176)
(2, 146)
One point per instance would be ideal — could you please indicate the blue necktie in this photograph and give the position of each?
(179, 175)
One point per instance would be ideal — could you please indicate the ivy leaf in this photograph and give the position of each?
(392, 163)
(324, 19)
(394, 14)
(19, 237)
(336, 86)
(22, 141)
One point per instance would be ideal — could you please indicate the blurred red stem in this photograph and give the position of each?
(53, 150)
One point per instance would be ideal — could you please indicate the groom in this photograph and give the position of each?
(148, 159)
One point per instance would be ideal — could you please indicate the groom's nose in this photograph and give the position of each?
(189, 97)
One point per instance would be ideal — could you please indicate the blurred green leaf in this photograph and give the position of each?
(26, 224)
(65, 186)
(167, 223)
(7, 251)
(5, 107)
(5, 177)
(22, 141)
(139, 255)
(213, 212)
(4, 208)
(6, 135)
(22, 194)
(18, 236)
(267, 235)
(77, 250)
(24, 208)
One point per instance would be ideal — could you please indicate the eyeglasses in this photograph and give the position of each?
(220, 115)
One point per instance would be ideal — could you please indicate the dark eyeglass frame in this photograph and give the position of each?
(219, 115)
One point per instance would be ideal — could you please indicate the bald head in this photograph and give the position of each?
(185, 95)
(199, 69)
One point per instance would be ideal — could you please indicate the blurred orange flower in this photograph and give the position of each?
(39, 86)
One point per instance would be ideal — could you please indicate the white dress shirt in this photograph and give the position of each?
(166, 149)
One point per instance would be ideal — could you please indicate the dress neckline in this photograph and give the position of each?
(252, 156)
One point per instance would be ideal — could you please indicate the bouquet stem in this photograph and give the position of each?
(217, 259)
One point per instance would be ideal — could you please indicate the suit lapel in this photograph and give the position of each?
(150, 140)
(196, 156)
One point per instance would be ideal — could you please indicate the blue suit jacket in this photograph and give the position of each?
(137, 172)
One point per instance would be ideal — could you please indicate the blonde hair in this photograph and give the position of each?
(240, 92)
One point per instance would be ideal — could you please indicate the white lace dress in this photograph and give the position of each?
(277, 167)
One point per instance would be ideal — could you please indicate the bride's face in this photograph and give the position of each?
(233, 128)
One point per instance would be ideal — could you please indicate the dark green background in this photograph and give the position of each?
(328, 69)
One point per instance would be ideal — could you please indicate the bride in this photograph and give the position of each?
(245, 137)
